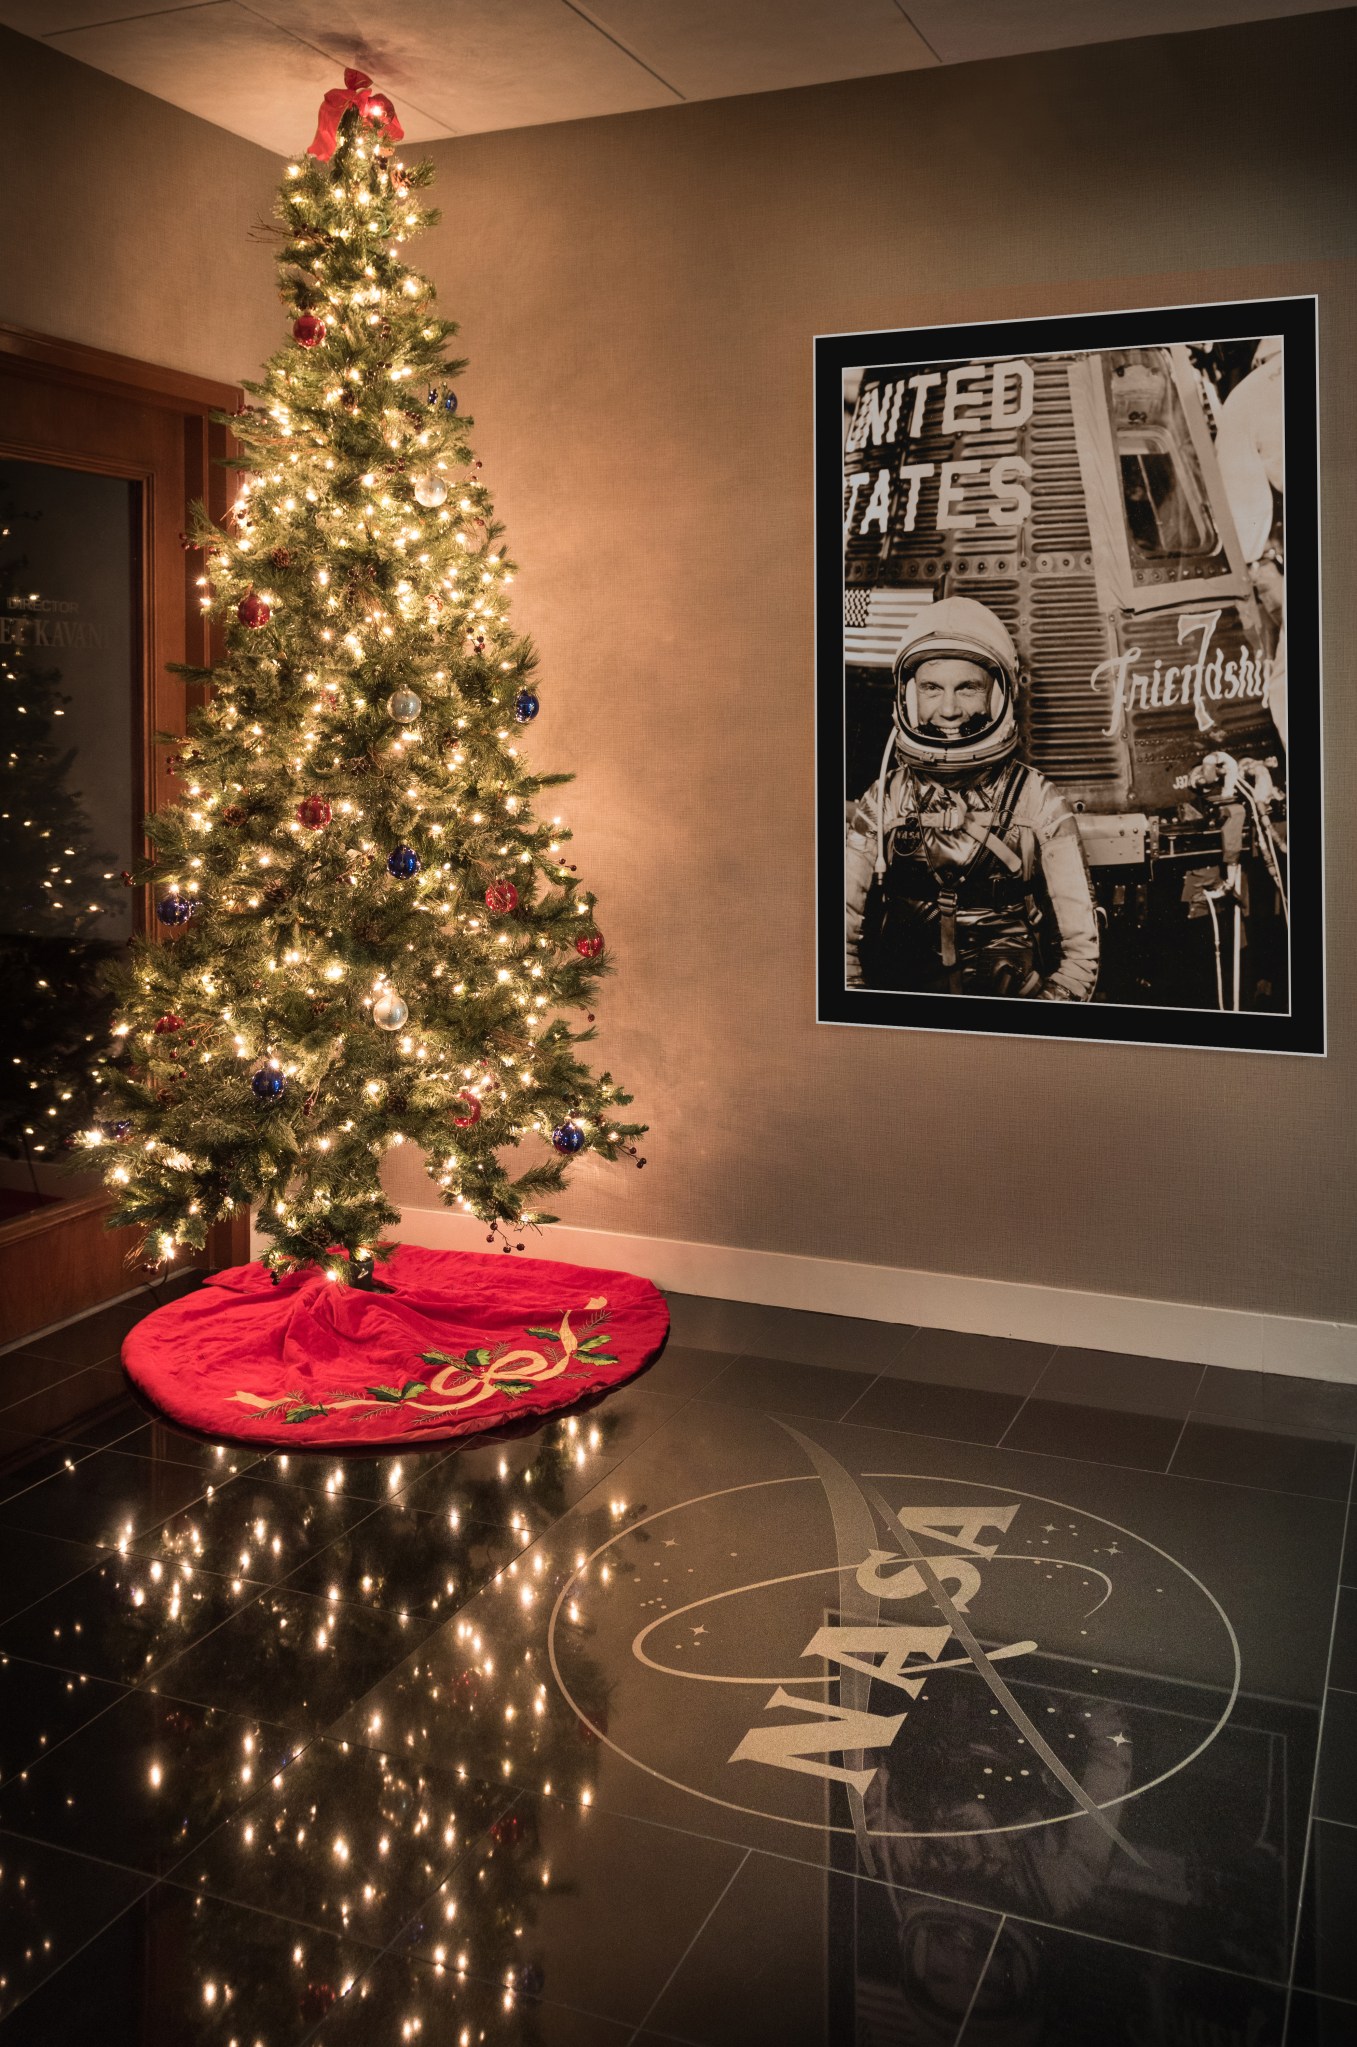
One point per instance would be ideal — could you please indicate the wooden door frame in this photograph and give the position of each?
(57, 1261)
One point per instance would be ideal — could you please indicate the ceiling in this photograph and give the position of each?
(459, 67)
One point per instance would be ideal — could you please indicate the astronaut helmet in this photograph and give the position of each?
(935, 725)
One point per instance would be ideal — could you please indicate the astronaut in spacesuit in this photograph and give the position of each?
(964, 869)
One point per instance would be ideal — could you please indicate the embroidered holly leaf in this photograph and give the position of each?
(599, 1357)
(412, 1387)
(478, 1359)
(387, 1393)
(440, 1357)
(551, 1335)
(302, 1414)
(513, 1387)
(594, 1342)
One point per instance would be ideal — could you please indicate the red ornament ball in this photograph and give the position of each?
(252, 610)
(501, 898)
(313, 811)
(473, 1111)
(308, 330)
(317, 1998)
(589, 945)
(163, 1025)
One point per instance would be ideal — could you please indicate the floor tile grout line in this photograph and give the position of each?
(976, 1987)
(88, 1450)
(279, 1585)
(79, 1855)
(148, 1884)
(1047, 1362)
(715, 1906)
(50, 1593)
(1177, 1446)
(248, 1802)
(42, 1441)
(200, 1889)
(875, 1380)
(1314, 1785)
(567, 1511)
(22, 1774)
(1013, 1419)
(1100, 1464)
(111, 1550)
(1237, 1415)
(859, 1876)
(389, 1949)
(143, 1688)
(97, 1364)
(170, 1290)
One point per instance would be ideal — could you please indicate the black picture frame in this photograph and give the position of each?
(1169, 332)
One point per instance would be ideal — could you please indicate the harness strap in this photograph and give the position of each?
(1001, 850)
(1014, 785)
(947, 908)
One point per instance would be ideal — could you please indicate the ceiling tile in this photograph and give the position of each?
(962, 30)
(711, 49)
(49, 17)
(259, 67)
(220, 61)
(479, 64)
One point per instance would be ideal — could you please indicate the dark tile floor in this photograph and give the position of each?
(834, 1683)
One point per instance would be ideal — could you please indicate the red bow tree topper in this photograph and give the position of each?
(372, 106)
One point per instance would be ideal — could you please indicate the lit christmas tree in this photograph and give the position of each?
(370, 934)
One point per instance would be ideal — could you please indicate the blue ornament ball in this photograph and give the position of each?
(526, 707)
(569, 1138)
(404, 862)
(176, 909)
(450, 402)
(117, 1129)
(268, 1085)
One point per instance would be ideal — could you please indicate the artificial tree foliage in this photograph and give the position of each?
(358, 829)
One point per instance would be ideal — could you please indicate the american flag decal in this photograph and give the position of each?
(874, 621)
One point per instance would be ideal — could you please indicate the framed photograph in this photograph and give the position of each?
(1066, 572)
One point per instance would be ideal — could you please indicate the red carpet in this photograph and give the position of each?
(465, 1342)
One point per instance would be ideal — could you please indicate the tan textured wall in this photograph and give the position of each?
(127, 224)
(638, 297)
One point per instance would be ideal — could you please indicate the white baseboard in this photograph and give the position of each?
(1291, 1344)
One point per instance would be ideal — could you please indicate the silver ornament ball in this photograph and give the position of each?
(404, 706)
(430, 489)
(388, 1011)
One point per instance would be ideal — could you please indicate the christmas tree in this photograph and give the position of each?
(367, 935)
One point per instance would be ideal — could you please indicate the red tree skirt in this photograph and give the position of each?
(465, 1342)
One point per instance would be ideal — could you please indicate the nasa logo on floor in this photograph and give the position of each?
(899, 1656)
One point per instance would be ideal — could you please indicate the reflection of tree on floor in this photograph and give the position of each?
(526, 1756)
(511, 1708)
